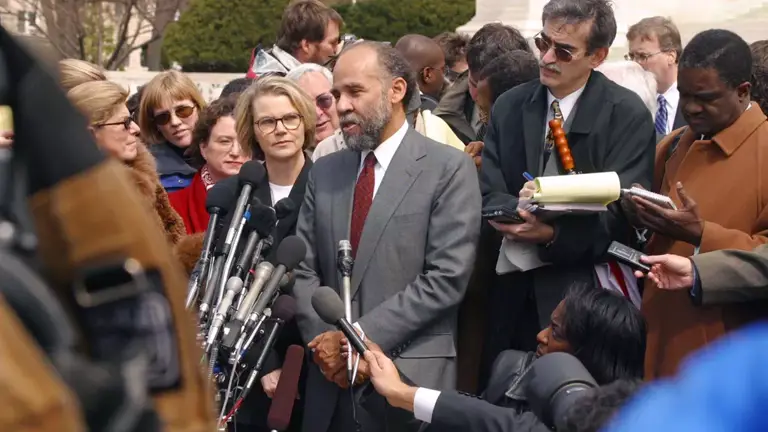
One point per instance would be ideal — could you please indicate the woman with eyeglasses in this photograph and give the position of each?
(316, 81)
(217, 154)
(276, 119)
(103, 104)
(168, 113)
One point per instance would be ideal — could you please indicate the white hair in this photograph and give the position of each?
(632, 76)
(297, 73)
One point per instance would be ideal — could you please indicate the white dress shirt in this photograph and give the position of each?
(424, 404)
(384, 154)
(566, 106)
(671, 100)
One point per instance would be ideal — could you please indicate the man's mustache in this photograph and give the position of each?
(551, 67)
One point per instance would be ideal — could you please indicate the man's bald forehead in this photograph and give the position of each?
(419, 50)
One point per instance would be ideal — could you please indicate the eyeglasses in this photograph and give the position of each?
(324, 101)
(561, 53)
(126, 123)
(181, 112)
(268, 125)
(640, 57)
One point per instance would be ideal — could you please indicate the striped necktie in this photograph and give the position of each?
(661, 116)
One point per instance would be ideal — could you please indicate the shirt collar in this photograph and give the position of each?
(732, 137)
(567, 103)
(672, 96)
(386, 150)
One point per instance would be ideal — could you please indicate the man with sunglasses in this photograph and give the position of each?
(316, 81)
(608, 128)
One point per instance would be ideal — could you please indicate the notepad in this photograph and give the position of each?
(596, 188)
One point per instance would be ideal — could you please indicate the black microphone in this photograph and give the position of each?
(283, 311)
(284, 207)
(219, 201)
(260, 224)
(330, 308)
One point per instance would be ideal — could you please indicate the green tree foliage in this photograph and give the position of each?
(218, 36)
(388, 20)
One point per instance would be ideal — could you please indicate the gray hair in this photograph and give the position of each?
(297, 73)
(632, 76)
(600, 12)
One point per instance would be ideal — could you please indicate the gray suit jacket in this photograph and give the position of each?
(733, 276)
(414, 261)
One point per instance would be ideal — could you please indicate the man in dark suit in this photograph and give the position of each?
(608, 128)
(410, 208)
(654, 43)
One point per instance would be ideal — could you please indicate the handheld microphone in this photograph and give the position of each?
(284, 207)
(263, 273)
(330, 308)
(279, 416)
(251, 174)
(290, 253)
(344, 261)
(260, 224)
(283, 311)
(234, 286)
(230, 259)
(220, 199)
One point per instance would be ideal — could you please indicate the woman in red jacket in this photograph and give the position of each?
(217, 154)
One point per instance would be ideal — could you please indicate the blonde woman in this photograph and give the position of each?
(73, 72)
(103, 104)
(276, 119)
(168, 112)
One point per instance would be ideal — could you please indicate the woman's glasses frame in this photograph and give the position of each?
(268, 125)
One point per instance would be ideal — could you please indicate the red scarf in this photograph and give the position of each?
(205, 175)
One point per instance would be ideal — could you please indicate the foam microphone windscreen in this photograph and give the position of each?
(279, 416)
(262, 219)
(222, 196)
(252, 173)
(87, 209)
(291, 251)
(284, 308)
(284, 207)
(328, 305)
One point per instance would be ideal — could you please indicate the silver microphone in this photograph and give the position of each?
(234, 286)
(345, 262)
(263, 273)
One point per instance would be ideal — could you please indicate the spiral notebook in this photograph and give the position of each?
(579, 193)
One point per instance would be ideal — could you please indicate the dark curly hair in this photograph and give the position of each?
(454, 46)
(509, 70)
(209, 116)
(759, 79)
(491, 41)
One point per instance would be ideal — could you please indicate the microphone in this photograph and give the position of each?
(219, 201)
(260, 224)
(283, 311)
(344, 261)
(230, 258)
(291, 251)
(279, 416)
(251, 174)
(234, 286)
(330, 308)
(284, 207)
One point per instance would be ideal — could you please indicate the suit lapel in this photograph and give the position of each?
(344, 190)
(534, 116)
(401, 173)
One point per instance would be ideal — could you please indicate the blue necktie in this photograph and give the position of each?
(661, 116)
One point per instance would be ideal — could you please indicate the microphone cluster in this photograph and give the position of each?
(239, 294)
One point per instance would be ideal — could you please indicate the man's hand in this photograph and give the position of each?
(475, 150)
(326, 353)
(532, 231)
(526, 193)
(269, 382)
(683, 224)
(669, 272)
(6, 139)
(386, 380)
(630, 208)
(363, 371)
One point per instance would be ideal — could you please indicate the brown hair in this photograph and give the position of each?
(454, 46)
(166, 85)
(276, 86)
(665, 31)
(73, 72)
(759, 79)
(305, 19)
(98, 100)
(222, 107)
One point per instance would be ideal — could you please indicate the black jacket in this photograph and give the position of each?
(455, 108)
(612, 131)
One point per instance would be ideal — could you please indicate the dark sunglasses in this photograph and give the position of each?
(126, 123)
(324, 101)
(543, 45)
(181, 112)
